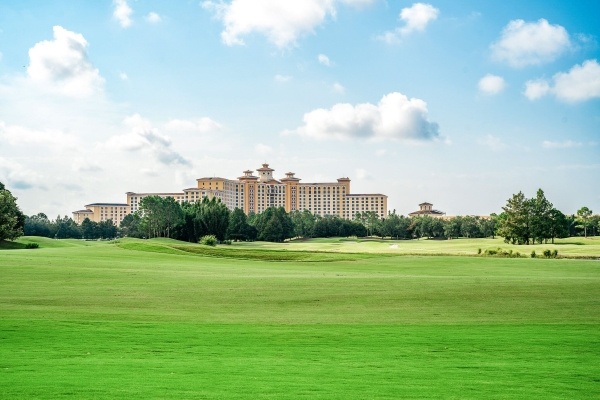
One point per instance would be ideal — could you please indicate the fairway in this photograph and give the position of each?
(165, 319)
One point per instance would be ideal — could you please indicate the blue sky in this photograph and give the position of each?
(460, 104)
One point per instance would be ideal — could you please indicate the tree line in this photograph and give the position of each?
(522, 221)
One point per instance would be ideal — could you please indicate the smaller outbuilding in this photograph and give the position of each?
(427, 209)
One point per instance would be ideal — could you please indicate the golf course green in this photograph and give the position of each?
(315, 319)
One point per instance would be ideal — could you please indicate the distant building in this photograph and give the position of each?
(254, 194)
(427, 209)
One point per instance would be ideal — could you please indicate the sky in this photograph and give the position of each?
(460, 104)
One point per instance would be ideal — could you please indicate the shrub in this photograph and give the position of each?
(554, 253)
(479, 251)
(226, 242)
(208, 240)
(547, 253)
(32, 245)
(533, 254)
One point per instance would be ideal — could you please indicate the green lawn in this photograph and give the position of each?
(164, 319)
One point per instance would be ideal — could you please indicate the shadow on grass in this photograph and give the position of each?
(8, 245)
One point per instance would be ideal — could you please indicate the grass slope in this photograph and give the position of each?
(161, 319)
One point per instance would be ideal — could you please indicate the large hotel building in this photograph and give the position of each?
(254, 194)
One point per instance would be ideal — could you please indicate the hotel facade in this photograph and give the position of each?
(254, 194)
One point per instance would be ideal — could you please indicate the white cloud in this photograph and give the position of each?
(122, 13)
(323, 59)
(415, 18)
(535, 89)
(62, 65)
(153, 18)
(530, 43)
(142, 136)
(263, 149)
(123, 76)
(492, 142)
(282, 22)
(19, 135)
(395, 117)
(491, 84)
(580, 83)
(201, 125)
(547, 144)
(16, 176)
(282, 78)
(339, 88)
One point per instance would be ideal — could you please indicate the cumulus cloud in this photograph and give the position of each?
(395, 117)
(122, 13)
(142, 136)
(547, 144)
(580, 83)
(530, 43)
(415, 18)
(492, 142)
(491, 84)
(534, 89)
(153, 18)
(282, 22)
(62, 65)
(323, 59)
(16, 176)
(201, 125)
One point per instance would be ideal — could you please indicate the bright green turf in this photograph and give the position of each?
(569, 247)
(144, 319)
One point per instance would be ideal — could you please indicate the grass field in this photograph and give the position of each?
(323, 319)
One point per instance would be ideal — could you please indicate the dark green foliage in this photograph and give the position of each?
(66, 228)
(526, 221)
(32, 245)
(11, 218)
(239, 228)
(160, 216)
(131, 226)
(98, 230)
(39, 225)
(274, 225)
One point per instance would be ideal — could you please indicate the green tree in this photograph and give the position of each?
(583, 218)
(39, 225)
(304, 223)
(469, 227)
(452, 227)
(66, 228)
(540, 217)
(131, 225)
(214, 217)
(558, 224)
(160, 216)
(238, 228)
(11, 218)
(273, 225)
(515, 223)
